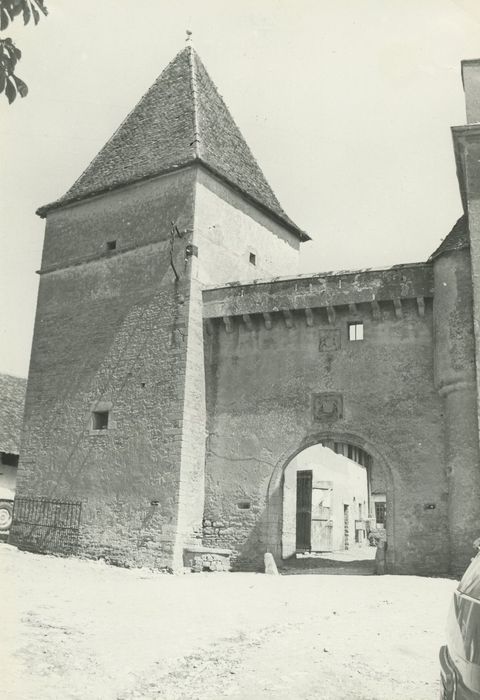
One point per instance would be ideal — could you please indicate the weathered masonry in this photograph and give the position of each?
(165, 400)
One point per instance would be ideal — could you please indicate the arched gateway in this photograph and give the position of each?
(379, 499)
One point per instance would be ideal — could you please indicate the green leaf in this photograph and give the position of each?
(9, 60)
(15, 7)
(3, 80)
(4, 19)
(26, 12)
(36, 15)
(10, 92)
(21, 86)
(41, 5)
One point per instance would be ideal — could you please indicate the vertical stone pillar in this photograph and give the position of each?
(456, 382)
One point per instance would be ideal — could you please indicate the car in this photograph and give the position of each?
(6, 508)
(460, 657)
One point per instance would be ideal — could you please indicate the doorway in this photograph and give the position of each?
(303, 529)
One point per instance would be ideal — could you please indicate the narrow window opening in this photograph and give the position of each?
(380, 512)
(9, 459)
(355, 330)
(100, 420)
(243, 505)
(253, 259)
(111, 245)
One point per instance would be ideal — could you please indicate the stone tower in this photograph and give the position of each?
(113, 451)
(456, 265)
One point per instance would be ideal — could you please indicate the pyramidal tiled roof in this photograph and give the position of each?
(459, 237)
(181, 119)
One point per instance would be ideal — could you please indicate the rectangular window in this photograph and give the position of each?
(9, 459)
(355, 330)
(100, 420)
(243, 505)
(253, 259)
(380, 512)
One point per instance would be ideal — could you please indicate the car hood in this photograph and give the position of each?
(463, 638)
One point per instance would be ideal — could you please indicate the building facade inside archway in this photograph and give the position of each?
(331, 501)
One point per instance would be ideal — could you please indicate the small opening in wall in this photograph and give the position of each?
(355, 330)
(100, 420)
(9, 459)
(111, 245)
(253, 259)
(142, 384)
(243, 505)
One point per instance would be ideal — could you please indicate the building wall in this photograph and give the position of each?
(113, 328)
(260, 384)
(228, 229)
(116, 330)
(456, 382)
(349, 487)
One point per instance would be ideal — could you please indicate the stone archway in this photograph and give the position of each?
(328, 438)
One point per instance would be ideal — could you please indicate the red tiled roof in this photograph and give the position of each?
(12, 400)
(181, 119)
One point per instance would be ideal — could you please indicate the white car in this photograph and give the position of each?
(6, 508)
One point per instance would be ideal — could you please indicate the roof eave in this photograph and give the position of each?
(44, 210)
(293, 228)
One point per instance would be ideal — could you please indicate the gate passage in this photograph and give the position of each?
(47, 526)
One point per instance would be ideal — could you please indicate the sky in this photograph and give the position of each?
(346, 104)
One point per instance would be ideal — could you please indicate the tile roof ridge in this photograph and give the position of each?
(196, 143)
(65, 197)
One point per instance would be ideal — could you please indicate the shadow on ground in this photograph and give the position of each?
(330, 564)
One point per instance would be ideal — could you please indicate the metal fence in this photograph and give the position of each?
(44, 525)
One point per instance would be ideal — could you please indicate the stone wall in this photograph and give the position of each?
(229, 229)
(111, 331)
(455, 378)
(118, 330)
(262, 378)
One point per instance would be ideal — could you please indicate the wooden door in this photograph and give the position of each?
(304, 511)
(322, 523)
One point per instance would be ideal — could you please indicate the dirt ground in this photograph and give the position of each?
(77, 629)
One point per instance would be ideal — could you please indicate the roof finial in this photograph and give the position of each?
(188, 40)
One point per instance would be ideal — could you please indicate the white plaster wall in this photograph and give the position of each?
(228, 229)
(350, 487)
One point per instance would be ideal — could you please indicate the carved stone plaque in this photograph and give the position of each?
(329, 339)
(327, 407)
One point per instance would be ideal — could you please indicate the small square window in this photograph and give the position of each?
(111, 245)
(100, 420)
(355, 331)
(253, 259)
(9, 459)
(243, 505)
